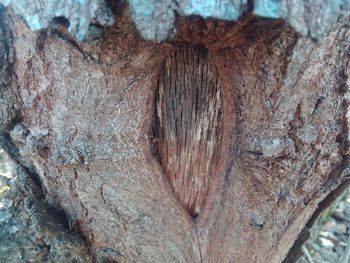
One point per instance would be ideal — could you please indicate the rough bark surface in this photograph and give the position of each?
(155, 19)
(31, 230)
(87, 122)
(313, 18)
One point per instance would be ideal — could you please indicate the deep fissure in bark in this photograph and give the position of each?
(188, 123)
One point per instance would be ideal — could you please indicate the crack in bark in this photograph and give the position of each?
(198, 240)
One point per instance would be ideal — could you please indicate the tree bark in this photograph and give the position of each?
(238, 180)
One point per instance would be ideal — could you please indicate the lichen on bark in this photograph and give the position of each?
(86, 130)
(313, 18)
(155, 19)
(40, 13)
(7, 99)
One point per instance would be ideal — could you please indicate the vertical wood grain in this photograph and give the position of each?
(189, 123)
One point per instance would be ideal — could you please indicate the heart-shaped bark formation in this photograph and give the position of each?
(87, 110)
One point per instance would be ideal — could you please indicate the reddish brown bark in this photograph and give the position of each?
(87, 128)
(188, 127)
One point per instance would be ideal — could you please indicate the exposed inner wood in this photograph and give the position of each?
(188, 124)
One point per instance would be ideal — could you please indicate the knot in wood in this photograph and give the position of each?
(188, 124)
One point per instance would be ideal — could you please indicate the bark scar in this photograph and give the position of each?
(188, 124)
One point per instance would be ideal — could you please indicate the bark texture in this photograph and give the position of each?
(39, 14)
(31, 230)
(87, 128)
(313, 18)
(155, 19)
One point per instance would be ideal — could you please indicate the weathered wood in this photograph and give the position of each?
(87, 127)
(188, 126)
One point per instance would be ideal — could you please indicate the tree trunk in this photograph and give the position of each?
(219, 145)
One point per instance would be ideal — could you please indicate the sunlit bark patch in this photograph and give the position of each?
(188, 125)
